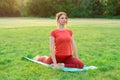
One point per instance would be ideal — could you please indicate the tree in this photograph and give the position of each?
(112, 7)
(8, 8)
(40, 8)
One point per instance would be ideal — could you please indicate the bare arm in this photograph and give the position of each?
(74, 48)
(52, 50)
(55, 64)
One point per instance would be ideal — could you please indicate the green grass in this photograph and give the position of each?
(97, 40)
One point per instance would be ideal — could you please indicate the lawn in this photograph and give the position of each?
(97, 40)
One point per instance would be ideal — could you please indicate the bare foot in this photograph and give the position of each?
(36, 57)
(61, 65)
(58, 66)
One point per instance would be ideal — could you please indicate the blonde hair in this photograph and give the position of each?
(60, 14)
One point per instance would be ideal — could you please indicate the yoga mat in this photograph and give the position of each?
(63, 68)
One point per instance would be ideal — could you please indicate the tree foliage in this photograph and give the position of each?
(48, 8)
(9, 8)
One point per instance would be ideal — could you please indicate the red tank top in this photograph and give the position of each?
(63, 39)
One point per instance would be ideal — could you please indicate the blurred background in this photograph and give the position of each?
(48, 8)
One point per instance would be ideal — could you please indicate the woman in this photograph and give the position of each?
(61, 46)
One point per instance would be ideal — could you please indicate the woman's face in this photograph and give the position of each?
(62, 20)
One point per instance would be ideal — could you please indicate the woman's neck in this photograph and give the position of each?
(61, 27)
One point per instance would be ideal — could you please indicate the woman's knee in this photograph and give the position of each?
(80, 64)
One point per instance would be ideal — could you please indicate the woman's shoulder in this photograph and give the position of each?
(69, 30)
(54, 30)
